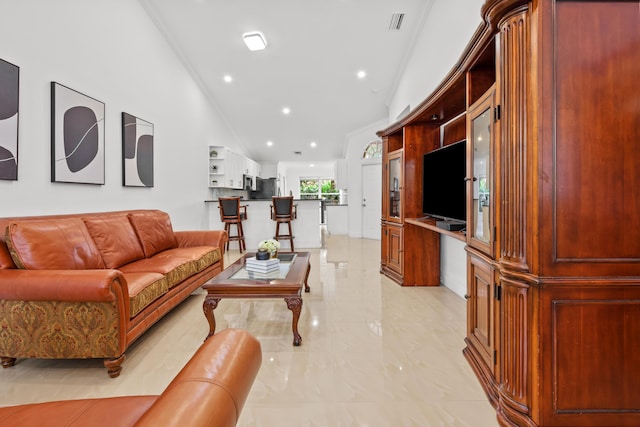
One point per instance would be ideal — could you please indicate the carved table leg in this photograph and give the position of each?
(114, 366)
(306, 278)
(295, 305)
(210, 304)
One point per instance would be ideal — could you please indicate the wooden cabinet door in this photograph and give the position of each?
(481, 310)
(395, 245)
(384, 246)
(480, 207)
(392, 188)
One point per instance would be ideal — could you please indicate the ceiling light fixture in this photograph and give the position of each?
(227, 78)
(286, 111)
(269, 143)
(255, 40)
(361, 74)
(313, 144)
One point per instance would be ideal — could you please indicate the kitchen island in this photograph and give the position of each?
(259, 226)
(337, 218)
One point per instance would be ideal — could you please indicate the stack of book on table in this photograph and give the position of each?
(263, 269)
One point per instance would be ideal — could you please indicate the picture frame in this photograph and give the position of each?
(9, 115)
(137, 151)
(77, 137)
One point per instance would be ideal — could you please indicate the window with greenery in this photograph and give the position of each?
(318, 188)
(309, 189)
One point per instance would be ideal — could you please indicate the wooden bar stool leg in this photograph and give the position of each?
(227, 228)
(241, 242)
(290, 235)
(277, 236)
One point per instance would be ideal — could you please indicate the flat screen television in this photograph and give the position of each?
(444, 189)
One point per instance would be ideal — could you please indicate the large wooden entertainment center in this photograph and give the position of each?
(547, 96)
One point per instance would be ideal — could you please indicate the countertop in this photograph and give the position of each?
(265, 200)
(259, 226)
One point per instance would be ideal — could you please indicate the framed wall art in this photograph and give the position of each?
(9, 89)
(137, 152)
(77, 137)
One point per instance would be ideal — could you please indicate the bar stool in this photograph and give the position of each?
(283, 211)
(231, 212)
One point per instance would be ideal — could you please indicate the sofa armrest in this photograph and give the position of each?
(217, 381)
(96, 300)
(63, 285)
(189, 238)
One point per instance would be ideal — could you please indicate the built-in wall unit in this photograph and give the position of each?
(528, 153)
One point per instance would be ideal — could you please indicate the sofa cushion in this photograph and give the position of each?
(115, 239)
(52, 244)
(144, 288)
(154, 231)
(5, 257)
(176, 264)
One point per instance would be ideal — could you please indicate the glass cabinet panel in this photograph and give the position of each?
(395, 185)
(481, 133)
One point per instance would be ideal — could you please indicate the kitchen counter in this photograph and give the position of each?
(259, 226)
(337, 218)
(268, 199)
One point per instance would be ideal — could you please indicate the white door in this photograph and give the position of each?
(371, 200)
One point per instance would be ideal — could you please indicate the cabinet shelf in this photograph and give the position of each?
(430, 224)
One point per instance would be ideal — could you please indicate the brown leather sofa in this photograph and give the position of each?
(209, 391)
(82, 286)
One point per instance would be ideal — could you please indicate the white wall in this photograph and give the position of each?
(448, 28)
(453, 264)
(111, 51)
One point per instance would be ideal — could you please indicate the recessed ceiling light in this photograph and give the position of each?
(286, 111)
(269, 143)
(313, 144)
(227, 78)
(311, 165)
(254, 40)
(361, 74)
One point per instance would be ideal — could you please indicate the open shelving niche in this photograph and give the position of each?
(410, 240)
(216, 166)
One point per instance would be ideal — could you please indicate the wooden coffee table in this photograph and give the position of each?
(237, 282)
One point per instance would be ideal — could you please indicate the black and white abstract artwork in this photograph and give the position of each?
(77, 137)
(137, 152)
(9, 89)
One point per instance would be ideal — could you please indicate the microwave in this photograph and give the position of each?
(248, 182)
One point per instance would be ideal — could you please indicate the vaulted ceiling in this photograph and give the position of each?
(314, 51)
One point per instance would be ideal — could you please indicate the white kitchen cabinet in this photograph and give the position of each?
(227, 168)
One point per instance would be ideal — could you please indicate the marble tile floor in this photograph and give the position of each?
(373, 353)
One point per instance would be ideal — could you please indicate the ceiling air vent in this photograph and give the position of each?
(396, 21)
(297, 153)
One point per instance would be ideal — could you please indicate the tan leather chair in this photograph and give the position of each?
(283, 211)
(231, 212)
